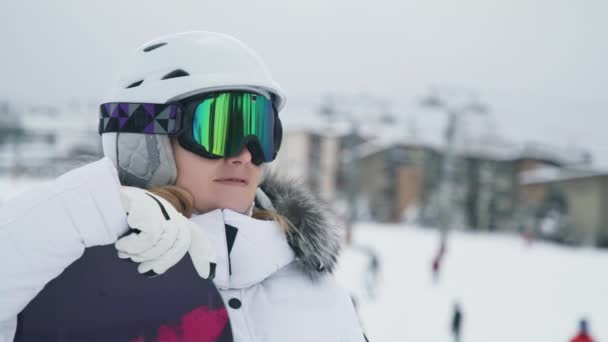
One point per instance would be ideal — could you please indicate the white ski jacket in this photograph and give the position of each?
(267, 291)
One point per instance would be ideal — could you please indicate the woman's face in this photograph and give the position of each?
(226, 183)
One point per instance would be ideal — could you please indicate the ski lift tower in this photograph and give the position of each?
(455, 111)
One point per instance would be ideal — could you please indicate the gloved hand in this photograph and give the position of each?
(160, 236)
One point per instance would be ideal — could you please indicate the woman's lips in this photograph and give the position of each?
(234, 181)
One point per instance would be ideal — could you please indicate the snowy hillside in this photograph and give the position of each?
(508, 290)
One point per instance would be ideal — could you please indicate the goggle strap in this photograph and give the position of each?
(148, 118)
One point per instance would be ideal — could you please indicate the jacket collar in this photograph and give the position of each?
(247, 250)
(315, 234)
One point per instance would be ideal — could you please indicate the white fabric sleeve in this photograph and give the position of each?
(47, 228)
(351, 326)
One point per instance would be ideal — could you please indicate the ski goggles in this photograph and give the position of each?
(213, 125)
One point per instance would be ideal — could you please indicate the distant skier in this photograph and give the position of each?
(583, 332)
(528, 236)
(436, 266)
(373, 274)
(457, 317)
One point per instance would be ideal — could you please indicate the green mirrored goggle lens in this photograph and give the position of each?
(225, 122)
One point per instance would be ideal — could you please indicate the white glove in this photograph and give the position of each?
(161, 236)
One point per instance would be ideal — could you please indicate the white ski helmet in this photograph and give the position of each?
(169, 69)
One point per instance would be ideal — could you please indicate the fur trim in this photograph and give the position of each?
(315, 237)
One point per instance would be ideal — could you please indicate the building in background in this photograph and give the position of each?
(490, 191)
(487, 195)
(310, 156)
(395, 179)
(567, 204)
(12, 134)
(45, 141)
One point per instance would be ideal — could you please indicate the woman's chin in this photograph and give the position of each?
(239, 208)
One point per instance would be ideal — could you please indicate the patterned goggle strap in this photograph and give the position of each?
(147, 118)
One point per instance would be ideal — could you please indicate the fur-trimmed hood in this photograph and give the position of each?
(315, 235)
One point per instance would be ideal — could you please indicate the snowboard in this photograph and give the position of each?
(101, 297)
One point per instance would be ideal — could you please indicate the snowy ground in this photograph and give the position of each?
(509, 291)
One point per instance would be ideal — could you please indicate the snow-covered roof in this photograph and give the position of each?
(560, 155)
(308, 120)
(387, 141)
(488, 146)
(552, 174)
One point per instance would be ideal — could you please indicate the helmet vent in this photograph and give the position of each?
(135, 84)
(154, 46)
(175, 73)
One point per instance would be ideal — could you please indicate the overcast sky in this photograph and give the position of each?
(540, 65)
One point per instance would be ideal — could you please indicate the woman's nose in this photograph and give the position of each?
(243, 157)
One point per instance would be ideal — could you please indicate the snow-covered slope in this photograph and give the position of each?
(509, 291)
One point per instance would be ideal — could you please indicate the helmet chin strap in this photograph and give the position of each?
(250, 210)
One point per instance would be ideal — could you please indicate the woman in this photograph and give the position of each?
(195, 120)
